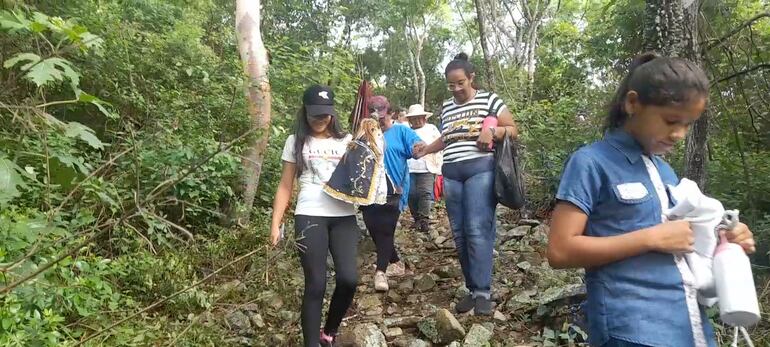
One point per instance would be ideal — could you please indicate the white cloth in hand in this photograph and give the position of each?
(704, 214)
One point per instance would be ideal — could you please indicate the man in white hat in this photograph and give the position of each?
(423, 171)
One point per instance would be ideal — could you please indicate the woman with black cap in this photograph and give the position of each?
(322, 224)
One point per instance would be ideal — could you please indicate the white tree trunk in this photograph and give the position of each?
(420, 72)
(413, 65)
(257, 91)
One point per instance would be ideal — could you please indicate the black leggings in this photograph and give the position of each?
(316, 236)
(381, 221)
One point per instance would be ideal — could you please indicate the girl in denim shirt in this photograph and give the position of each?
(609, 217)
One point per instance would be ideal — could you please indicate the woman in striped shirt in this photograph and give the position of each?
(469, 176)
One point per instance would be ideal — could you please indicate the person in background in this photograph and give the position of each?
(399, 117)
(322, 224)
(609, 216)
(422, 171)
(469, 177)
(381, 220)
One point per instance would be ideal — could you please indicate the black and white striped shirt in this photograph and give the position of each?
(461, 125)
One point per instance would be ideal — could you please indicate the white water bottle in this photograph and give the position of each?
(738, 305)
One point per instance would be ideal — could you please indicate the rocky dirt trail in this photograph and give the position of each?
(535, 305)
(418, 310)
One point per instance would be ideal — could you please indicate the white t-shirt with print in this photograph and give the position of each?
(321, 157)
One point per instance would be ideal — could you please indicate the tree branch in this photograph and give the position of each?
(161, 188)
(721, 40)
(744, 72)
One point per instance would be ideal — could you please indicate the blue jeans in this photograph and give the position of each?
(470, 201)
(613, 342)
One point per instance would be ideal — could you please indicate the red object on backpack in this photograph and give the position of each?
(438, 188)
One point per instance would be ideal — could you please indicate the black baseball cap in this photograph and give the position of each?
(318, 101)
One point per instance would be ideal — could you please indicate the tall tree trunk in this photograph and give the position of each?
(257, 91)
(420, 72)
(490, 71)
(671, 29)
(413, 66)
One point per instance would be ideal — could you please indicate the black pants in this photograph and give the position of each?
(421, 198)
(381, 221)
(316, 237)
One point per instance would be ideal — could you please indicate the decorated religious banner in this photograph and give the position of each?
(360, 176)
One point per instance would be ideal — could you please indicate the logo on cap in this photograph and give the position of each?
(324, 94)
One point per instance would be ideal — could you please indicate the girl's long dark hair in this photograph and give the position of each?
(658, 81)
(303, 132)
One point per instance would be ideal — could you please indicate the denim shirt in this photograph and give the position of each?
(641, 299)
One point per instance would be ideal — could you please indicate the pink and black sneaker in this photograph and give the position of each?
(327, 340)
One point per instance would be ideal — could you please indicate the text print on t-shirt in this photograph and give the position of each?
(322, 162)
(462, 126)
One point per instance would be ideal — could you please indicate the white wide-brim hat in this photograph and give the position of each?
(417, 110)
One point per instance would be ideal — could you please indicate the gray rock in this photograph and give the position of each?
(461, 292)
(393, 332)
(419, 343)
(529, 222)
(256, 320)
(519, 231)
(540, 233)
(369, 335)
(240, 341)
(478, 336)
(278, 340)
(525, 265)
(427, 328)
(499, 316)
(238, 321)
(439, 240)
(413, 299)
(401, 341)
(250, 307)
(368, 302)
(448, 328)
(232, 286)
(274, 301)
(288, 316)
(401, 322)
(406, 286)
(489, 326)
(393, 296)
(424, 282)
(447, 271)
(454, 344)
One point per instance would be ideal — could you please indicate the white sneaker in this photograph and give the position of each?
(380, 281)
(396, 269)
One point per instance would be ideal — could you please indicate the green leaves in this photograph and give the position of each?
(42, 72)
(13, 21)
(10, 180)
(64, 30)
(77, 130)
(99, 103)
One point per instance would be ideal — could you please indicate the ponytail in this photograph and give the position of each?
(659, 81)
